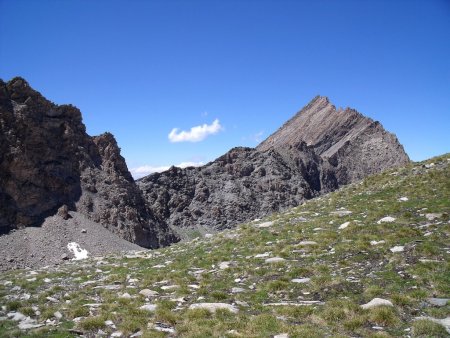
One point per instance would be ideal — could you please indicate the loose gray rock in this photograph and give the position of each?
(274, 260)
(438, 301)
(301, 280)
(377, 302)
(148, 307)
(213, 307)
(148, 293)
(63, 212)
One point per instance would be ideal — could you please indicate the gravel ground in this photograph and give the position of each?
(46, 245)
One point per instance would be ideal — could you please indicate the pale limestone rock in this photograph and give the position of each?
(377, 302)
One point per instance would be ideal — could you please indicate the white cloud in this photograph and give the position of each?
(196, 134)
(148, 169)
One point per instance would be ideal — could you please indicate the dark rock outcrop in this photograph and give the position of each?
(315, 152)
(238, 186)
(47, 160)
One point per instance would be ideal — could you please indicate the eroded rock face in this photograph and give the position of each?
(47, 160)
(315, 152)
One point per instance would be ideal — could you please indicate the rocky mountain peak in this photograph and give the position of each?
(354, 144)
(318, 150)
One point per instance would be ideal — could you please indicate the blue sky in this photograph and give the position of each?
(139, 69)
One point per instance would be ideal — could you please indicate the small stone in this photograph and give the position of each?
(148, 293)
(64, 257)
(344, 225)
(306, 243)
(432, 217)
(29, 323)
(116, 334)
(194, 286)
(52, 299)
(58, 315)
(376, 243)
(403, 199)
(224, 265)
(281, 335)
(148, 307)
(213, 307)
(301, 280)
(161, 327)
(169, 287)
(110, 323)
(16, 316)
(237, 290)
(63, 212)
(387, 219)
(263, 255)
(274, 260)
(438, 301)
(397, 248)
(377, 302)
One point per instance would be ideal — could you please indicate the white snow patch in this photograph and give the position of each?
(77, 251)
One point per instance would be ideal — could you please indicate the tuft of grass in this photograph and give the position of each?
(427, 328)
(93, 323)
(13, 305)
(383, 316)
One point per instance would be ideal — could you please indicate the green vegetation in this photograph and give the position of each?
(346, 268)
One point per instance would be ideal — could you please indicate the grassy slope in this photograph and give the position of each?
(345, 271)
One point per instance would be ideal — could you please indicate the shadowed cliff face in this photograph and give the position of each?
(315, 152)
(47, 160)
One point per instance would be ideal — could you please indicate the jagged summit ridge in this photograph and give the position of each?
(356, 145)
